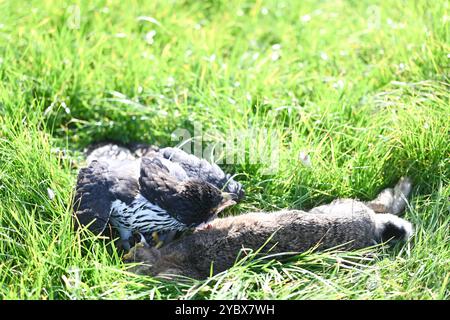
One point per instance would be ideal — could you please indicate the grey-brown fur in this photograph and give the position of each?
(347, 223)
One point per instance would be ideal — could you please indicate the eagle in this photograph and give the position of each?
(141, 190)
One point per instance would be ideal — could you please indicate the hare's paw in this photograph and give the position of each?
(392, 200)
(401, 193)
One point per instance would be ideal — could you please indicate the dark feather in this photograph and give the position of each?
(183, 186)
(203, 170)
(191, 201)
(97, 186)
(92, 203)
(179, 163)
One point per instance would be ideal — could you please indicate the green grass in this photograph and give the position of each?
(362, 86)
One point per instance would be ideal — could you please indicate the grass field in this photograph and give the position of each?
(362, 87)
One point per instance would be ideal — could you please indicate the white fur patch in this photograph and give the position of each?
(381, 220)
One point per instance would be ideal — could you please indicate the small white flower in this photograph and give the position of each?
(232, 101)
(148, 55)
(275, 56)
(264, 11)
(339, 84)
(170, 82)
(49, 109)
(65, 107)
(276, 47)
(149, 36)
(306, 18)
(304, 158)
(149, 19)
(51, 194)
(324, 56)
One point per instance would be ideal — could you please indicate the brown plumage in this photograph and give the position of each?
(142, 189)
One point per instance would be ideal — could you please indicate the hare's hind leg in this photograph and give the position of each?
(392, 200)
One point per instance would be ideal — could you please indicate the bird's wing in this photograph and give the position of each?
(157, 184)
(124, 184)
(194, 167)
(92, 202)
(98, 185)
(203, 170)
(175, 169)
(161, 188)
(107, 152)
(139, 149)
(151, 152)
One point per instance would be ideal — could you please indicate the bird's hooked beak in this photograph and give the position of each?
(228, 200)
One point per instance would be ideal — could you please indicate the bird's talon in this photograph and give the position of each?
(156, 240)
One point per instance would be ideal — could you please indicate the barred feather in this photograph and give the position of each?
(143, 216)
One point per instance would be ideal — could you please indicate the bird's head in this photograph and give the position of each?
(206, 200)
(227, 200)
(235, 188)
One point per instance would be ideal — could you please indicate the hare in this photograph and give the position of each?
(348, 223)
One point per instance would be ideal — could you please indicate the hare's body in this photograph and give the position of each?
(348, 223)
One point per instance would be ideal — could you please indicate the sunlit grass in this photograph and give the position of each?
(360, 87)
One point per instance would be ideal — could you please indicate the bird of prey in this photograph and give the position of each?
(143, 189)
